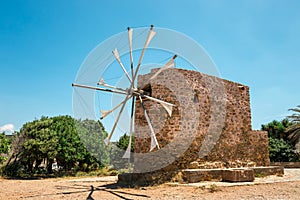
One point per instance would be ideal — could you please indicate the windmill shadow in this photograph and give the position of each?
(90, 194)
(114, 190)
(109, 188)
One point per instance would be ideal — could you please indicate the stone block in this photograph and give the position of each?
(287, 164)
(198, 175)
(269, 170)
(238, 175)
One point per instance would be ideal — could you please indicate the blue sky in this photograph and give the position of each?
(43, 43)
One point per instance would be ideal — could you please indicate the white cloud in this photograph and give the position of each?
(7, 128)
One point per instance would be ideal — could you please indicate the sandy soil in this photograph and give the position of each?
(105, 188)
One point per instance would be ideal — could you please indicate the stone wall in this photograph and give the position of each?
(287, 164)
(210, 123)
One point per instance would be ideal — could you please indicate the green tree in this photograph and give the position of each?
(124, 141)
(5, 144)
(92, 135)
(57, 139)
(39, 144)
(118, 150)
(276, 129)
(293, 131)
(280, 148)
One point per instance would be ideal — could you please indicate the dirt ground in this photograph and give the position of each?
(105, 188)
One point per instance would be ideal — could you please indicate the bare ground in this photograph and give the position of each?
(105, 188)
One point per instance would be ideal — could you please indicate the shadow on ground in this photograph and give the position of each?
(113, 189)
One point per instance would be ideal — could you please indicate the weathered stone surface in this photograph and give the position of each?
(238, 175)
(193, 165)
(194, 127)
(287, 164)
(267, 171)
(198, 175)
(148, 179)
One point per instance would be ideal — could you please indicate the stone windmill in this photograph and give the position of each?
(181, 118)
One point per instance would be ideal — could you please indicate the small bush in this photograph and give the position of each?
(15, 169)
(213, 188)
(281, 151)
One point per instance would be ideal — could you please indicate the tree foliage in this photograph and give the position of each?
(5, 144)
(281, 151)
(118, 150)
(276, 129)
(280, 148)
(92, 135)
(294, 130)
(124, 141)
(57, 139)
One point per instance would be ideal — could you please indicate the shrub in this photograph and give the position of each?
(281, 151)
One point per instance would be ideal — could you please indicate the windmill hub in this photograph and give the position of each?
(134, 92)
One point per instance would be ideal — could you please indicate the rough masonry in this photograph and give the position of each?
(210, 126)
